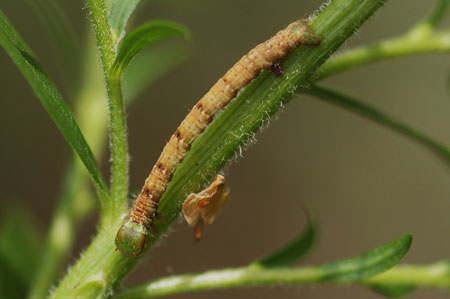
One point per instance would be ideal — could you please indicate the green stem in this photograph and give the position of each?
(243, 117)
(102, 29)
(419, 40)
(101, 268)
(435, 275)
(221, 279)
(118, 135)
(119, 148)
(76, 201)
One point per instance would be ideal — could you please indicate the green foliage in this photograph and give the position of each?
(349, 270)
(393, 290)
(121, 11)
(50, 98)
(144, 36)
(369, 264)
(19, 247)
(252, 108)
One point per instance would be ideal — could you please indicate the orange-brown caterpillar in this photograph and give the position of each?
(132, 235)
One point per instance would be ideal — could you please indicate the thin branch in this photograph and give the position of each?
(435, 275)
(405, 45)
(224, 137)
(118, 131)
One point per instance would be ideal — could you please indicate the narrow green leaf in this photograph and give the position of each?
(352, 270)
(357, 106)
(144, 36)
(369, 264)
(121, 11)
(294, 250)
(396, 290)
(50, 98)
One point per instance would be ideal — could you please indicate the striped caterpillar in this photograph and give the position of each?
(132, 235)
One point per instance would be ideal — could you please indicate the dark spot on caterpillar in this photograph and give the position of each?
(178, 134)
(277, 69)
(199, 106)
(160, 166)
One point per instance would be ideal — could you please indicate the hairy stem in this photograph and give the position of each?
(435, 275)
(427, 276)
(119, 147)
(262, 98)
(118, 135)
(414, 42)
(101, 267)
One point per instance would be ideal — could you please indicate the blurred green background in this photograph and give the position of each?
(367, 184)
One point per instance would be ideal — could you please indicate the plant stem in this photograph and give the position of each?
(435, 275)
(119, 148)
(102, 29)
(118, 135)
(405, 45)
(101, 268)
(257, 102)
(76, 201)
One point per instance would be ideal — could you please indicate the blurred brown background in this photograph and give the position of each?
(367, 184)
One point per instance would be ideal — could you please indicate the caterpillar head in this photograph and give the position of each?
(131, 238)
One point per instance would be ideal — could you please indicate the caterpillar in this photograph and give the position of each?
(132, 235)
